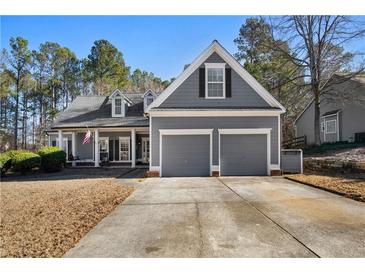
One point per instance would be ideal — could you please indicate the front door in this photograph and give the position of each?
(124, 146)
(145, 150)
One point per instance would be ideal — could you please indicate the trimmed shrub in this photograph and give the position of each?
(5, 162)
(24, 161)
(52, 158)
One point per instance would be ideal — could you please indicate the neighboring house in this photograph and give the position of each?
(342, 117)
(214, 119)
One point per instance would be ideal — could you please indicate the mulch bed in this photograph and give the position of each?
(46, 219)
(348, 185)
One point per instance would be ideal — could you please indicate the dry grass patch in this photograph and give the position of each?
(348, 185)
(45, 219)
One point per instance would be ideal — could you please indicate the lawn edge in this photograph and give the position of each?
(327, 189)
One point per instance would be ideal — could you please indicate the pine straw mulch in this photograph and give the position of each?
(348, 185)
(46, 219)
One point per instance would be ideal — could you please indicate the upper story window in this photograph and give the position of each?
(118, 106)
(215, 80)
(148, 98)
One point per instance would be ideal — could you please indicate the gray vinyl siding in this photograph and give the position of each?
(212, 123)
(291, 161)
(351, 116)
(187, 94)
(185, 155)
(305, 124)
(243, 155)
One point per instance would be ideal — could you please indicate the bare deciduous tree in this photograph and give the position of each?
(317, 47)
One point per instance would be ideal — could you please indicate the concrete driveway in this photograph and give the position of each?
(228, 217)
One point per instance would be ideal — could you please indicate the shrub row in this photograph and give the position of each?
(50, 159)
(53, 158)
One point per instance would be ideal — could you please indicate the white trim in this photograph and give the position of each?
(213, 113)
(187, 132)
(215, 168)
(274, 167)
(326, 129)
(150, 136)
(214, 66)
(231, 61)
(129, 148)
(328, 115)
(338, 126)
(155, 168)
(244, 131)
(279, 140)
(122, 107)
(149, 91)
(106, 129)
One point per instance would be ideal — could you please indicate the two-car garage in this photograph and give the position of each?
(185, 152)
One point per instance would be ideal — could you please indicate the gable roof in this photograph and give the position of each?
(231, 61)
(95, 111)
(358, 79)
(116, 92)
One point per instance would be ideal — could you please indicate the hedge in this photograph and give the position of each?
(52, 158)
(5, 162)
(23, 160)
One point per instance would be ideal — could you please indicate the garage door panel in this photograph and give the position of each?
(243, 155)
(185, 155)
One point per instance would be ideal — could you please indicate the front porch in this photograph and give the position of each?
(126, 147)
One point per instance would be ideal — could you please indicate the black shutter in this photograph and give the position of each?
(202, 82)
(228, 83)
(111, 150)
(116, 156)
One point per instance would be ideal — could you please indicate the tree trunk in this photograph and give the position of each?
(16, 115)
(317, 118)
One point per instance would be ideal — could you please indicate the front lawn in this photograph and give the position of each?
(348, 185)
(47, 218)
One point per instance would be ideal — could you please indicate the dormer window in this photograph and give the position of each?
(120, 104)
(215, 80)
(148, 98)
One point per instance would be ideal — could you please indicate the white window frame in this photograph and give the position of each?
(322, 126)
(122, 107)
(215, 66)
(335, 127)
(123, 138)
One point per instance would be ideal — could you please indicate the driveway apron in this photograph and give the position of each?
(228, 217)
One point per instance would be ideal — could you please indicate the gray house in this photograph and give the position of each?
(342, 114)
(214, 119)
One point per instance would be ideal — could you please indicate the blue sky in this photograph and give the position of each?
(160, 44)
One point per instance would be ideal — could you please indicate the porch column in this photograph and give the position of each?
(133, 133)
(74, 148)
(60, 139)
(97, 153)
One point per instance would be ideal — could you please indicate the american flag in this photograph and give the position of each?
(87, 137)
